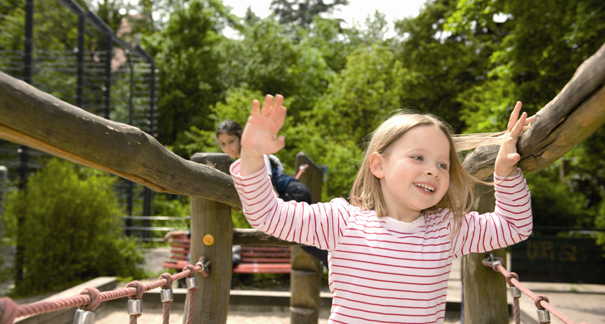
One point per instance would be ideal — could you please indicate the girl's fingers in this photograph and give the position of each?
(513, 116)
(279, 99)
(255, 108)
(530, 119)
(518, 126)
(514, 157)
(280, 143)
(267, 105)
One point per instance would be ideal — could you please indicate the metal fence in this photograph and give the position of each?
(58, 47)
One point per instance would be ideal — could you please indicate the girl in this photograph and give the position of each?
(391, 248)
(288, 188)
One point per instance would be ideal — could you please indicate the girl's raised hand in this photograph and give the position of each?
(260, 133)
(507, 156)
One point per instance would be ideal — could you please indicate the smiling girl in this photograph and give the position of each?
(391, 247)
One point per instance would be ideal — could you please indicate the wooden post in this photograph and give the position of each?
(484, 288)
(212, 218)
(305, 279)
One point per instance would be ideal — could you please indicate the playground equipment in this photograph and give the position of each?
(39, 120)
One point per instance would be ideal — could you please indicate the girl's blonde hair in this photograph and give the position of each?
(366, 192)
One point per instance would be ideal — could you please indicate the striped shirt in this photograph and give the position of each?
(381, 272)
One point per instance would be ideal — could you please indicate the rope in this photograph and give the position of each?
(138, 295)
(190, 294)
(512, 279)
(166, 305)
(90, 298)
(95, 300)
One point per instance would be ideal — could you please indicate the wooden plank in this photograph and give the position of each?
(244, 236)
(484, 288)
(212, 218)
(262, 268)
(305, 278)
(36, 119)
(573, 115)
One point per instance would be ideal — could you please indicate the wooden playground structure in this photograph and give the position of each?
(36, 119)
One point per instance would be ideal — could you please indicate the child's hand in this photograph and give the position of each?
(507, 156)
(260, 133)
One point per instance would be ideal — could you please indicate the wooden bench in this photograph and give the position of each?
(264, 259)
(254, 259)
(179, 249)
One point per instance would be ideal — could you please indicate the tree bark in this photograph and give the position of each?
(212, 218)
(36, 119)
(305, 279)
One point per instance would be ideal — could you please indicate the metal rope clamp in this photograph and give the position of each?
(543, 316)
(514, 292)
(135, 307)
(84, 317)
(205, 265)
(191, 283)
(166, 295)
(493, 261)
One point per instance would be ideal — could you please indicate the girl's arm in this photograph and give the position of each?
(510, 223)
(320, 225)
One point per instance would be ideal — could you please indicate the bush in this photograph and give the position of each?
(69, 232)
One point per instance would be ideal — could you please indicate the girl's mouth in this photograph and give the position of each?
(425, 187)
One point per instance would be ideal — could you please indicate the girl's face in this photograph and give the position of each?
(414, 175)
(229, 144)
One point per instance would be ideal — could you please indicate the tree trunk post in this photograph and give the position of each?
(211, 218)
(305, 279)
(484, 289)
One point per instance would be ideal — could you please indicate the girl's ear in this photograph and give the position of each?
(376, 165)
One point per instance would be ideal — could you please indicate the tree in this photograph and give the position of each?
(191, 79)
(302, 12)
(70, 226)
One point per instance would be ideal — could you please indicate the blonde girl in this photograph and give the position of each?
(391, 247)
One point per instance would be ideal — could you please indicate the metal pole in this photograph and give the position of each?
(24, 150)
(4, 176)
(147, 193)
(107, 88)
(130, 184)
(80, 53)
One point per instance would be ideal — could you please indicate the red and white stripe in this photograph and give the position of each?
(380, 273)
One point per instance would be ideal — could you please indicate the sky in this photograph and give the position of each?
(357, 10)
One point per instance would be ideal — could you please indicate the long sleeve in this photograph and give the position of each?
(510, 223)
(321, 225)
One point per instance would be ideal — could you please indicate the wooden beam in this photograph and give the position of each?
(213, 219)
(244, 236)
(36, 119)
(573, 115)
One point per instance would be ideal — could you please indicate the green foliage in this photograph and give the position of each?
(303, 12)
(68, 219)
(186, 53)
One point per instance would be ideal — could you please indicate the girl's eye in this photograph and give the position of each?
(419, 158)
(443, 165)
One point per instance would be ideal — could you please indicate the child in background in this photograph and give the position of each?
(391, 247)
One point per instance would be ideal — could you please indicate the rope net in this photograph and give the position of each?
(90, 298)
(544, 308)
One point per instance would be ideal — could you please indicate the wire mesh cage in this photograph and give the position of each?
(72, 54)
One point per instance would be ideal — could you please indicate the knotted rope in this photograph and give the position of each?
(166, 305)
(512, 279)
(90, 298)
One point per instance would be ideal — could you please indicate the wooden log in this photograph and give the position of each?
(245, 236)
(573, 115)
(484, 288)
(212, 218)
(305, 278)
(36, 119)
(569, 118)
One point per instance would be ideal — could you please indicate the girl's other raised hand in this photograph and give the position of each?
(507, 156)
(260, 133)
